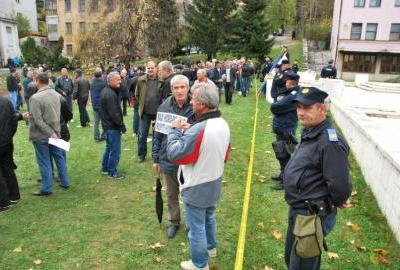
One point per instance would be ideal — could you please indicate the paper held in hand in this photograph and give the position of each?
(60, 143)
(164, 121)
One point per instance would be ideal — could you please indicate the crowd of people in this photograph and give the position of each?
(189, 153)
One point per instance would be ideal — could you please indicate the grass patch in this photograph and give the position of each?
(100, 224)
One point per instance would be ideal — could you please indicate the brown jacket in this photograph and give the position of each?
(141, 91)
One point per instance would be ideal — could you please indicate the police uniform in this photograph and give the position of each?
(281, 79)
(329, 72)
(285, 123)
(274, 89)
(315, 179)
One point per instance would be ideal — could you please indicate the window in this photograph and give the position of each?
(390, 64)
(51, 4)
(82, 5)
(67, 5)
(359, 3)
(17, 1)
(52, 28)
(68, 28)
(370, 33)
(359, 63)
(374, 3)
(395, 31)
(356, 29)
(110, 5)
(69, 49)
(8, 30)
(10, 38)
(82, 27)
(397, 3)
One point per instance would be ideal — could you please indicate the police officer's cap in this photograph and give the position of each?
(291, 75)
(278, 66)
(285, 62)
(310, 96)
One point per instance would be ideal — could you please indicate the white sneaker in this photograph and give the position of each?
(189, 265)
(212, 253)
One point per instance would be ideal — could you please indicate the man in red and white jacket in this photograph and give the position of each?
(201, 150)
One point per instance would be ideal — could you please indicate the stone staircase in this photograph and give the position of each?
(381, 87)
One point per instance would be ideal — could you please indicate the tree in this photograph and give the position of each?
(252, 30)
(162, 31)
(281, 13)
(24, 27)
(209, 24)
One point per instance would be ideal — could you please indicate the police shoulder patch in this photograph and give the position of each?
(294, 92)
(281, 76)
(332, 135)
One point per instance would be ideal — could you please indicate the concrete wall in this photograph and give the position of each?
(9, 46)
(25, 7)
(383, 177)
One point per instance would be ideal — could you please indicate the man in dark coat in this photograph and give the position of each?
(329, 71)
(98, 84)
(165, 73)
(140, 72)
(228, 77)
(81, 94)
(65, 86)
(9, 190)
(124, 91)
(113, 124)
(178, 104)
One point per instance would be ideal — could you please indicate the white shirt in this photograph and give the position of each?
(228, 75)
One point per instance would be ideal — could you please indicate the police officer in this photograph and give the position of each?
(281, 80)
(274, 89)
(329, 71)
(316, 179)
(285, 123)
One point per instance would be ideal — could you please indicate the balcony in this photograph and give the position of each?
(51, 12)
(377, 46)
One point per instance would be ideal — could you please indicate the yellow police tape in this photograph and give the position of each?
(243, 222)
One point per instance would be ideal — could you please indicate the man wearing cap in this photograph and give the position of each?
(281, 79)
(329, 71)
(316, 178)
(285, 124)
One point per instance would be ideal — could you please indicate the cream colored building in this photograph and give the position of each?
(67, 18)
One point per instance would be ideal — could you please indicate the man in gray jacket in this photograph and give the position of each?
(44, 124)
(178, 104)
(81, 94)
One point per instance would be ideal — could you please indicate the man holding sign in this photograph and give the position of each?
(175, 106)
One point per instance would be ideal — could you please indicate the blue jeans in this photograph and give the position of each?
(202, 233)
(44, 154)
(246, 81)
(294, 262)
(144, 127)
(112, 151)
(135, 120)
(14, 99)
(239, 81)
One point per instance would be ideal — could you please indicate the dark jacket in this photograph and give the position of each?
(285, 113)
(12, 83)
(141, 92)
(81, 89)
(8, 121)
(318, 169)
(160, 139)
(232, 73)
(64, 86)
(65, 116)
(281, 81)
(25, 83)
(165, 88)
(247, 70)
(110, 110)
(329, 72)
(123, 90)
(215, 76)
(97, 86)
(274, 88)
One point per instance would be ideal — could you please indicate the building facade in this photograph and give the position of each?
(9, 46)
(68, 18)
(366, 38)
(10, 8)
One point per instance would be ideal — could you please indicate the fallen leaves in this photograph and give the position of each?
(332, 255)
(157, 259)
(37, 262)
(268, 268)
(157, 246)
(354, 227)
(17, 250)
(261, 225)
(276, 234)
(354, 193)
(381, 251)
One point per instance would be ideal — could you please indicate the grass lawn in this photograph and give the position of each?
(103, 224)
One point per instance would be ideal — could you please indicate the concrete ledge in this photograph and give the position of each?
(380, 169)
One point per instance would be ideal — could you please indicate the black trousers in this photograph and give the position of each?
(83, 114)
(282, 155)
(228, 93)
(9, 189)
(125, 102)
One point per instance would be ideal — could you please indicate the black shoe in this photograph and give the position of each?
(276, 177)
(42, 193)
(64, 187)
(117, 176)
(278, 186)
(141, 159)
(4, 208)
(172, 230)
